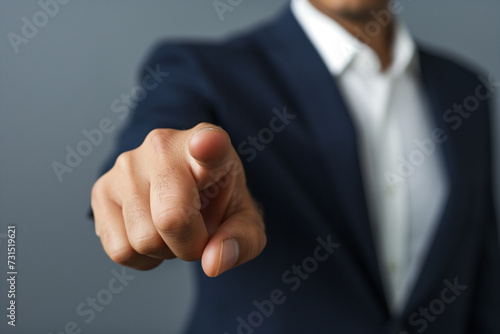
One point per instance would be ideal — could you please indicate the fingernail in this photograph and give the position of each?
(229, 252)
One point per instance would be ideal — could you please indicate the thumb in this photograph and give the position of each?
(239, 239)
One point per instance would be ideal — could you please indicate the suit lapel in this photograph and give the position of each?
(453, 219)
(321, 106)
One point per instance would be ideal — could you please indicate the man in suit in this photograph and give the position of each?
(368, 159)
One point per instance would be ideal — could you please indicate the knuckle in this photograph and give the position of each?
(173, 220)
(121, 253)
(124, 161)
(156, 135)
(159, 139)
(98, 189)
(127, 168)
(165, 146)
(146, 244)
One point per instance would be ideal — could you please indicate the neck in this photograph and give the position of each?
(358, 26)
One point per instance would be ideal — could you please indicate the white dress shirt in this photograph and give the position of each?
(405, 182)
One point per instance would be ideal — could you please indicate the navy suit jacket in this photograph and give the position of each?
(270, 90)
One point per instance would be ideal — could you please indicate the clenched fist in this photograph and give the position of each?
(180, 194)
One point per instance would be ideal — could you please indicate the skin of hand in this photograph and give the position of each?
(180, 194)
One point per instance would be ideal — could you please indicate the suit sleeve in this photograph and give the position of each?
(173, 92)
(486, 310)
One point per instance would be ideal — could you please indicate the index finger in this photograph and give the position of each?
(175, 202)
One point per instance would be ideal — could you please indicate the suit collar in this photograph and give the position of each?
(340, 50)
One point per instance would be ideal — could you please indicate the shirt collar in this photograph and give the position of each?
(339, 49)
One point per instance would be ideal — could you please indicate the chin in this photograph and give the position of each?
(350, 9)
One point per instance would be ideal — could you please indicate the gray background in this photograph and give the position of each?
(63, 81)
